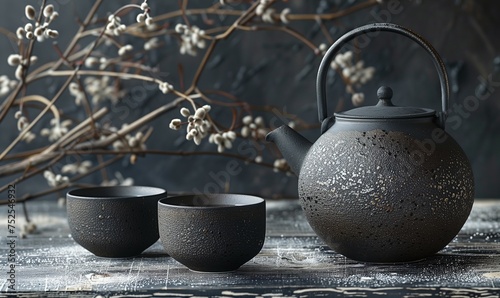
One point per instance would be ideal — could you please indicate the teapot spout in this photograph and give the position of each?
(291, 144)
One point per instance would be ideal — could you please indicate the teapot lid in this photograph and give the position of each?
(384, 109)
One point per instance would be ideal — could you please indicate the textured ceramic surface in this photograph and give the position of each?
(365, 196)
(212, 233)
(115, 222)
(382, 183)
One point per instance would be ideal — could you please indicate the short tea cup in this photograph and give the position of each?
(114, 222)
(212, 233)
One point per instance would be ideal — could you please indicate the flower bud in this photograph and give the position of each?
(180, 28)
(200, 113)
(358, 99)
(39, 31)
(30, 12)
(53, 16)
(20, 32)
(28, 27)
(231, 135)
(259, 121)
(52, 33)
(245, 131)
(140, 18)
(48, 10)
(14, 60)
(185, 112)
(247, 120)
(197, 139)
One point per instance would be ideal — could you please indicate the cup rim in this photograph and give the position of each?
(92, 193)
(250, 201)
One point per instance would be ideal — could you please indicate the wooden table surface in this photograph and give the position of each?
(292, 263)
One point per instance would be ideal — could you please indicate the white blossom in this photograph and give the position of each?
(145, 17)
(358, 99)
(280, 165)
(22, 121)
(223, 140)
(30, 12)
(114, 26)
(198, 125)
(57, 129)
(165, 87)
(48, 10)
(356, 74)
(125, 49)
(151, 44)
(55, 180)
(14, 59)
(22, 126)
(265, 12)
(131, 142)
(267, 15)
(191, 39)
(100, 90)
(103, 63)
(19, 72)
(185, 112)
(254, 128)
(175, 124)
(77, 168)
(120, 180)
(28, 136)
(92, 61)
(323, 48)
(20, 63)
(74, 89)
(6, 85)
(40, 30)
(20, 33)
(284, 15)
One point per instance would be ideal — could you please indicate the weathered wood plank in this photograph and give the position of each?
(293, 262)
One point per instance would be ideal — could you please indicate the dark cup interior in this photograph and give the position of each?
(116, 192)
(212, 233)
(211, 201)
(117, 222)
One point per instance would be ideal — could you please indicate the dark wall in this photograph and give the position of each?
(272, 68)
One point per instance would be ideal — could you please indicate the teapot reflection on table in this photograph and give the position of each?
(382, 183)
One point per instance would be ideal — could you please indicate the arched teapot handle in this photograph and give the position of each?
(333, 50)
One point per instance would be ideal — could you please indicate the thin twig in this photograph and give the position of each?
(27, 197)
(37, 159)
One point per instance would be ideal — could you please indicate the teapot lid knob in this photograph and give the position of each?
(384, 95)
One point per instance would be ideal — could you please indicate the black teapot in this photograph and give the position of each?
(382, 183)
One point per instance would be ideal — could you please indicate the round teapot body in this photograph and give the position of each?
(386, 190)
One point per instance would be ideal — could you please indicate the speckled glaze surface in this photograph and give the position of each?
(212, 233)
(386, 195)
(382, 183)
(114, 222)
